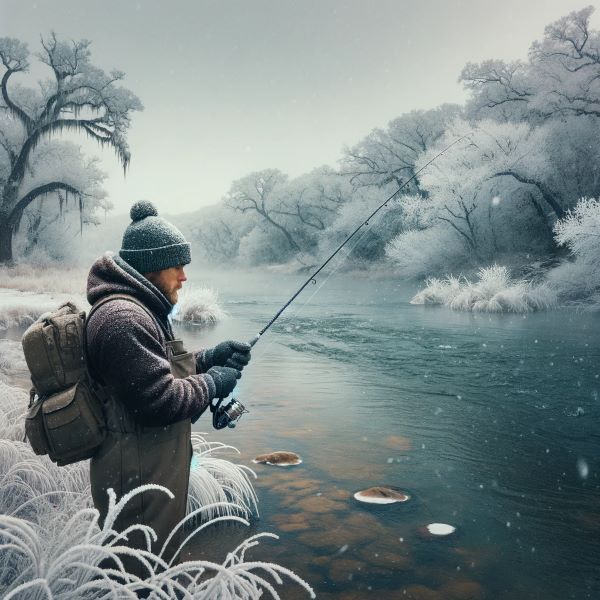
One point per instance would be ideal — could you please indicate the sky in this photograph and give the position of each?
(235, 86)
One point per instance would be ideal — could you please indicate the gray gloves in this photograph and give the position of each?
(225, 379)
(227, 354)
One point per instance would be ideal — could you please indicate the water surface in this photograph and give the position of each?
(490, 422)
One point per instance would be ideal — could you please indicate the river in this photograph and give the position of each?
(489, 422)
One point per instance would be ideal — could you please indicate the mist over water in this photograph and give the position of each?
(490, 422)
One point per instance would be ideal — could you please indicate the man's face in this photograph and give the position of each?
(168, 281)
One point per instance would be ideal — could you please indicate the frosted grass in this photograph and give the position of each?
(495, 291)
(218, 482)
(199, 306)
(12, 359)
(45, 278)
(13, 405)
(35, 563)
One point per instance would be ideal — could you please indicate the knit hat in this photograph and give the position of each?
(150, 243)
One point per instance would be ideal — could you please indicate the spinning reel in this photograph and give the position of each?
(226, 413)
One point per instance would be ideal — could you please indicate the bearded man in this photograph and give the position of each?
(155, 389)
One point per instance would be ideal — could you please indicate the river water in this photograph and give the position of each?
(490, 422)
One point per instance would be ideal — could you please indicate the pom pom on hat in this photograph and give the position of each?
(153, 244)
(142, 209)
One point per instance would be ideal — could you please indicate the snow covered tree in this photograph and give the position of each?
(561, 77)
(292, 214)
(77, 97)
(50, 219)
(388, 156)
(256, 194)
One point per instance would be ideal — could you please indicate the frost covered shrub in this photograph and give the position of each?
(200, 306)
(578, 282)
(426, 252)
(36, 563)
(495, 291)
(218, 482)
(579, 230)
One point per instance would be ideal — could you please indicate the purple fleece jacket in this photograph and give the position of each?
(126, 349)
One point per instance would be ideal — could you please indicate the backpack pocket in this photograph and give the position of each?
(68, 426)
(35, 430)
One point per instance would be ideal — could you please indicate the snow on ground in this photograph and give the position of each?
(18, 308)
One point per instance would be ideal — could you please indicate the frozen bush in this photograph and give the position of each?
(579, 230)
(578, 282)
(198, 306)
(426, 252)
(495, 291)
(218, 482)
(438, 291)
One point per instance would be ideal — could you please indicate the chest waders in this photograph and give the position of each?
(134, 455)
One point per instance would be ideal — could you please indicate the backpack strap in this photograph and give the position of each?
(106, 299)
(100, 388)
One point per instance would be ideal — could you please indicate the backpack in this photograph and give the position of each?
(65, 418)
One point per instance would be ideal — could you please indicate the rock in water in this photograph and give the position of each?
(381, 495)
(279, 459)
(435, 530)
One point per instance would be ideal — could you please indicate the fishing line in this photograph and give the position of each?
(298, 309)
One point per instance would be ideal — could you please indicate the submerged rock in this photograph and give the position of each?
(279, 459)
(381, 495)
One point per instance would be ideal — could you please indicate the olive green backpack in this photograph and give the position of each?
(65, 418)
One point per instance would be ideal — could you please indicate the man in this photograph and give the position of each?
(155, 388)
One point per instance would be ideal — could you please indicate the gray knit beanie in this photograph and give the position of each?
(150, 243)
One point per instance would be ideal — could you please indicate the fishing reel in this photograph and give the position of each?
(226, 413)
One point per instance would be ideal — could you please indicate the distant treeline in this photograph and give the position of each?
(508, 192)
(531, 154)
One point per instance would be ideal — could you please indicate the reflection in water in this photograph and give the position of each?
(490, 422)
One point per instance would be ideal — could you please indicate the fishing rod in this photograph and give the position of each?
(228, 415)
(312, 279)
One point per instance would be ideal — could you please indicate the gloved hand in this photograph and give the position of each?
(225, 379)
(227, 354)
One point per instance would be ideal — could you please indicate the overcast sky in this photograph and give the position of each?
(231, 87)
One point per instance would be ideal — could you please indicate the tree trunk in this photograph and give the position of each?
(6, 235)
